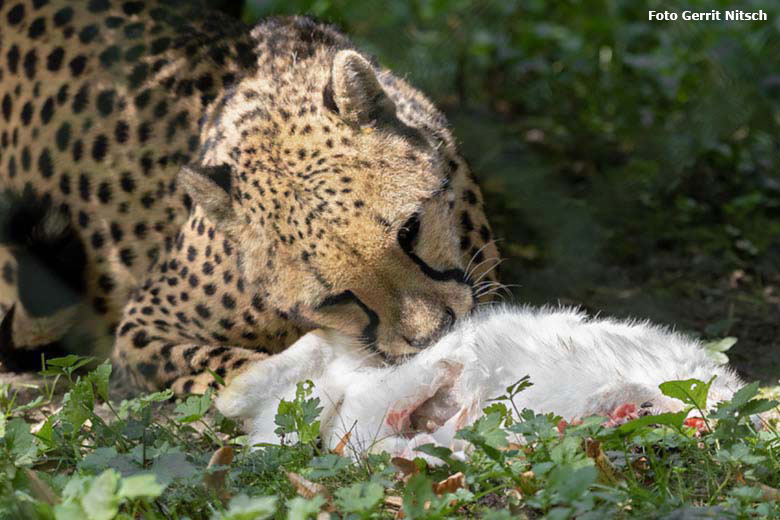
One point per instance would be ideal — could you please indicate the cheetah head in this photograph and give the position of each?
(343, 191)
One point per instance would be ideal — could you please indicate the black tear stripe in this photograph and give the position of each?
(459, 275)
(406, 237)
(369, 334)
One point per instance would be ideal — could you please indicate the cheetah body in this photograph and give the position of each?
(230, 188)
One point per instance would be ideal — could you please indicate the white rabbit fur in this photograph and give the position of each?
(579, 366)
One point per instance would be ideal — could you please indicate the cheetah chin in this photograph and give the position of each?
(579, 366)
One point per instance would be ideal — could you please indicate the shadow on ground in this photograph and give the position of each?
(557, 248)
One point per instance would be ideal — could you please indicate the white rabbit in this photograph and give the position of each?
(579, 366)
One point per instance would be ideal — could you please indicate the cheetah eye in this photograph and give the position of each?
(409, 232)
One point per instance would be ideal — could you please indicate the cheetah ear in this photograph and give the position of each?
(357, 94)
(209, 187)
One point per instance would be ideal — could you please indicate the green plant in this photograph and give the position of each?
(147, 458)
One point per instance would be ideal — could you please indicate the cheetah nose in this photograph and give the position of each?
(445, 324)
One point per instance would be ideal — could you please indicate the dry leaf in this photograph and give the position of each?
(514, 494)
(450, 484)
(641, 465)
(222, 457)
(306, 488)
(527, 484)
(768, 492)
(407, 467)
(339, 449)
(604, 467)
(394, 503)
(514, 501)
(735, 278)
(40, 489)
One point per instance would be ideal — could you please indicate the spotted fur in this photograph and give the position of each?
(231, 187)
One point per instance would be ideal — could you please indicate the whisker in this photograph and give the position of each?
(498, 261)
(486, 285)
(486, 282)
(486, 290)
(490, 287)
(474, 256)
(490, 291)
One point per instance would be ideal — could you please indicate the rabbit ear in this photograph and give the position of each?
(357, 94)
(209, 187)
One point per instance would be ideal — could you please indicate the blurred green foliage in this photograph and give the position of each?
(603, 140)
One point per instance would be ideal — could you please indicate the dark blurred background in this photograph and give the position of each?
(630, 167)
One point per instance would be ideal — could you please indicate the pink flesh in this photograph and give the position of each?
(622, 414)
(399, 420)
(432, 409)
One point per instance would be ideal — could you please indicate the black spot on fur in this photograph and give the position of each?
(54, 59)
(131, 8)
(26, 159)
(62, 94)
(138, 75)
(78, 150)
(37, 28)
(88, 33)
(65, 184)
(104, 193)
(228, 301)
(105, 102)
(63, 16)
(142, 99)
(30, 61)
(106, 283)
(112, 22)
(15, 14)
(133, 53)
(98, 6)
(77, 65)
(127, 256)
(47, 110)
(7, 107)
(121, 132)
(110, 56)
(99, 147)
(45, 164)
(127, 182)
(141, 339)
(97, 240)
(26, 114)
(203, 311)
(144, 131)
(134, 30)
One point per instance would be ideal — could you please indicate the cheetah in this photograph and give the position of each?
(194, 194)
